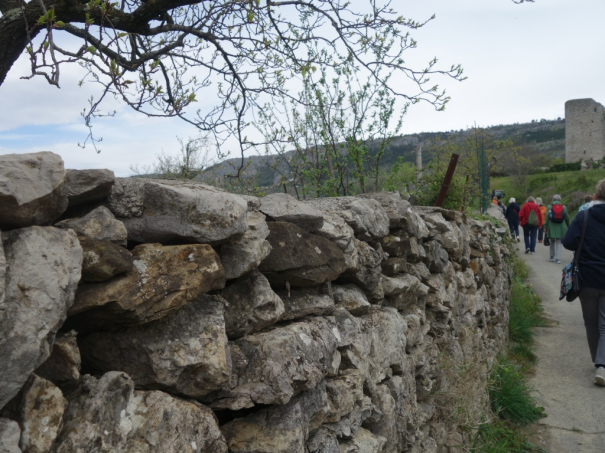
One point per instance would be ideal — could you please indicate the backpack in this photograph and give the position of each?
(557, 213)
(532, 220)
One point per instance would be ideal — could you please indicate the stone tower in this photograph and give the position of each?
(584, 130)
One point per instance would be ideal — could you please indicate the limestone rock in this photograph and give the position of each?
(363, 442)
(396, 244)
(351, 298)
(169, 210)
(367, 218)
(385, 330)
(2, 279)
(323, 441)
(281, 363)
(281, 207)
(279, 429)
(400, 213)
(36, 302)
(103, 260)
(247, 253)
(9, 436)
(163, 278)
(349, 424)
(383, 421)
(300, 258)
(300, 302)
(367, 275)
(185, 352)
(336, 230)
(344, 392)
(402, 292)
(85, 186)
(39, 410)
(98, 224)
(436, 257)
(394, 266)
(107, 415)
(64, 362)
(251, 305)
(31, 189)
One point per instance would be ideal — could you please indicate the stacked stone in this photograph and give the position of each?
(158, 315)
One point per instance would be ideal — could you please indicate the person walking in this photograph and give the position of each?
(592, 269)
(540, 204)
(588, 199)
(512, 217)
(530, 218)
(557, 222)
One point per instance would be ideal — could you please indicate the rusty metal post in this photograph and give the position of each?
(464, 196)
(447, 180)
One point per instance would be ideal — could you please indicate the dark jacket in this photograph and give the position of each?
(512, 213)
(592, 255)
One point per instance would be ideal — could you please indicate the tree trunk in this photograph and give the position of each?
(13, 36)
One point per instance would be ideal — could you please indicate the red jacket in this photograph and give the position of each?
(526, 209)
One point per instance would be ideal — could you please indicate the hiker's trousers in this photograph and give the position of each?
(593, 310)
(556, 248)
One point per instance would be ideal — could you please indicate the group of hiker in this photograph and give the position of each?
(584, 236)
(540, 224)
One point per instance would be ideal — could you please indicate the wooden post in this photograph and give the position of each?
(447, 180)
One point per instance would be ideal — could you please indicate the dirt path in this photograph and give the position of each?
(564, 376)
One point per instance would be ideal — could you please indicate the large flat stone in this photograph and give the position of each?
(42, 274)
(299, 258)
(163, 278)
(243, 255)
(367, 217)
(107, 415)
(31, 189)
(281, 428)
(251, 305)
(167, 211)
(281, 363)
(103, 259)
(281, 207)
(86, 186)
(301, 302)
(98, 224)
(185, 352)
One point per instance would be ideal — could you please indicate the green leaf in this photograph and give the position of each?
(45, 45)
(60, 23)
(91, 49)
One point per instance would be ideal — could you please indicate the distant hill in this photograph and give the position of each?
(548, 136)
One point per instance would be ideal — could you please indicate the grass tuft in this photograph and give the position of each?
(510, 396)
(500, 437)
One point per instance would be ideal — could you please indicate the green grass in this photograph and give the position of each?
(500, 437)
(571, 185)
(510, 395)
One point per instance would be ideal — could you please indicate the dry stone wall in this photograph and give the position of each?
(166, 316)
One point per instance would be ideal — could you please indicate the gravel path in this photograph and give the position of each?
(564, 376)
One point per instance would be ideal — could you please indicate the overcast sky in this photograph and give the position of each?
(522, 62)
